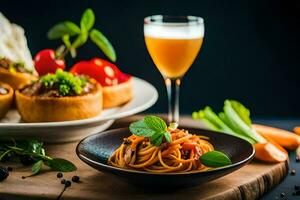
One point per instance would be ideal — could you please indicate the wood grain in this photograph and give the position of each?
(248, 183)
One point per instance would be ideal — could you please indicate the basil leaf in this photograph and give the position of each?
(60, 29)
(215, 159)
(36, 168)
(59, 164)
(168, 137)
(155, 123)
(140, 128)
(156, 139)
(102, 42)
(87, 20)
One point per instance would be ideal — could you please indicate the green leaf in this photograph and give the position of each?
(87, 20)
(59, 164)
(242, 111)
(72, 27)
(66, 40)
(156, 139)
(215, 159)
(168, 137)
(59, 30)
(36, 168)
(140, 128)
(102, 42)
(155, 123)
(31, 146)
(80, 40)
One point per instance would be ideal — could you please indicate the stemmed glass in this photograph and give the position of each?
(173, 43)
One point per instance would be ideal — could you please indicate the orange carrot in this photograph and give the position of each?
(297, 130)
(282, 137)
(270, 152)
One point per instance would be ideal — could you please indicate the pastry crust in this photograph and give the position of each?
(53, 109)
(5, 99)
(16, 79)
(117, 95)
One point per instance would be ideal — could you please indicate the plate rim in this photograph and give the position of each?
(92, 120)
(240, 163)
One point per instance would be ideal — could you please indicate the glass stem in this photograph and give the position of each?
(173, 86)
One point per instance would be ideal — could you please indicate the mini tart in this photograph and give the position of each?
(16, 79)
(117, 95)
(53, 109)
(5, 99)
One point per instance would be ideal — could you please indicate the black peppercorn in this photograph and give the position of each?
(68, 183)
(3, 173)
(9, 169)
(63, 181)
(59, 175)
(293, 172)
(76, 179)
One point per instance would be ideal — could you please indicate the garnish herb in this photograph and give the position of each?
(67, 29)
(215, 159)
(152, 127)
(65, 82)
(34, 149)
(234, 120)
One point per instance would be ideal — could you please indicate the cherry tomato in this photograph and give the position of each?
(106, 73)
(45, 62)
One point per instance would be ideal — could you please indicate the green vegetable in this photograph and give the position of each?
(65, 82)
(234, 120)
(34, 149)
(152, 127)
(67, 30)
(215, 159)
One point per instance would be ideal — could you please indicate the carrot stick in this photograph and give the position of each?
(270, 152)
(297, 130)
(282, 137)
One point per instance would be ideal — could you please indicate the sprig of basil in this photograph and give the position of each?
(215, 159)
(59, 164)
(67, 29)
(152, 127)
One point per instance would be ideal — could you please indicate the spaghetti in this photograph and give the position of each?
(180, 155)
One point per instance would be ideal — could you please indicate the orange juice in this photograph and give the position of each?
(173, 56)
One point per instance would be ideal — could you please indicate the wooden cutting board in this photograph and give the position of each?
(248, 183)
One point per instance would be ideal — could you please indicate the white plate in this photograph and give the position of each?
(145, 95)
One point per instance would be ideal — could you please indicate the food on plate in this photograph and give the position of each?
(282, 137)
(154, 147)
(6, 97)
(235, 120)
(297, 130)
(15, 74)
(117, 86)
(13, 44)
(45, 61)
(60, 97)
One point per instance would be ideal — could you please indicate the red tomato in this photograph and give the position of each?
(188, 146)
(45, 62)
(106, 73)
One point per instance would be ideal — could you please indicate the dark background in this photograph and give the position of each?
(250, 52)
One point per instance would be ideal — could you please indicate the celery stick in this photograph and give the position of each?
(234, 118)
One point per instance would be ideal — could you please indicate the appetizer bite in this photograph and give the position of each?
(6, 97)
(60, 97)
(117, 86)
(154, 147)
(15, 74)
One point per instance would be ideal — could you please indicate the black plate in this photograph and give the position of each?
(96, 149)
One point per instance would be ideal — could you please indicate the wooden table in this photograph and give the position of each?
(248, 183)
